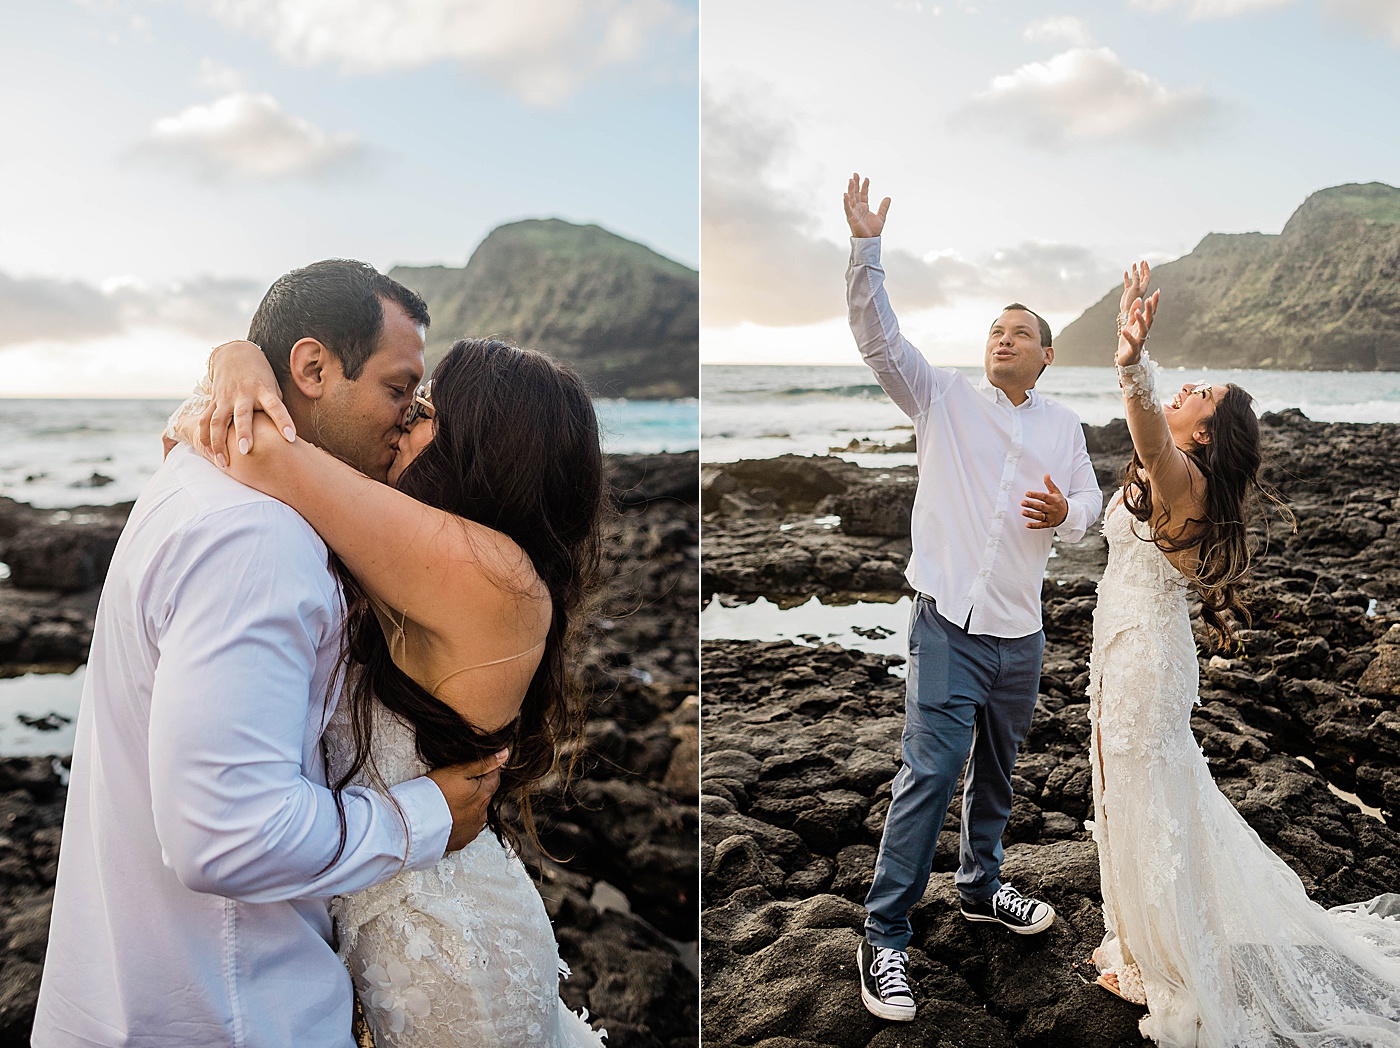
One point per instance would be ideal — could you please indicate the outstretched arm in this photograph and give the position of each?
(435, 567)
(902, 371)
(1175, 479)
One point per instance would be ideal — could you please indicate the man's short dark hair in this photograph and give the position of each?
(339, 303)
(1044, 327)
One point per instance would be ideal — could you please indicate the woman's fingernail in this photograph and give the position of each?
(243, 446)
(223, 462)
(290, 434)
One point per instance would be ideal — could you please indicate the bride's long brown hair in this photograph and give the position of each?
(1229, 462)
(516, 448)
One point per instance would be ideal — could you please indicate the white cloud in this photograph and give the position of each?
(543, 49)
(218, 78)
(67, 311)
(1379, 17)
(1062, 29)
(43, 308)
(1049, 277)
(761, 260)
(764, 264)
(247, 136)
(1201, 9)
(1084, 95)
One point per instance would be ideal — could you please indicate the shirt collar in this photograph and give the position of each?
(996, 396)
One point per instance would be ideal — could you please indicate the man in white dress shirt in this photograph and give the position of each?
(975, 641)
(200, 841)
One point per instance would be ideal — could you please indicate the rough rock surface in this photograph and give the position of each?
(623, 901)
(801, 745)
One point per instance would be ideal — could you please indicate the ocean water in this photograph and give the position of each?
(70, 452)
(759, 411)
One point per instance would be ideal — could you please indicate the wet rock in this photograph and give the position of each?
(46, 548)
(879, 507)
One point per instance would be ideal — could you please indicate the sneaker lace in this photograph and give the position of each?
(889, 973)
(1014, 903)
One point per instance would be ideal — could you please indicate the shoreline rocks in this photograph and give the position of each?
(623, 898)
(801, 744)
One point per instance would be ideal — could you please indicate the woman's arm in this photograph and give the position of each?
(1176, 481)
(442, 571)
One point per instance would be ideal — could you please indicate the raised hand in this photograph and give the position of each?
(243, 382)
(1135, 282)
(863, 221)
(1045, 509)
(1135, 329)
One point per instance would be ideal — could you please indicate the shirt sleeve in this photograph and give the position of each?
(903, 372)
(247, 605)
(1083, 494)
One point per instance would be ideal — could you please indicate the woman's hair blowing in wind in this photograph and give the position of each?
(515, 448)
(1229, 462)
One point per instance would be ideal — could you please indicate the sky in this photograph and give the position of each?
(162, 161)
(1031, 148)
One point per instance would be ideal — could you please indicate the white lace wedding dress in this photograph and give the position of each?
(1231, 951)
(455, 956)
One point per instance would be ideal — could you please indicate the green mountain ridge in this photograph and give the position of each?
(1323, 294)
(625, 317)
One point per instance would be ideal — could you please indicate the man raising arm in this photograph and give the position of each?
(975, 640)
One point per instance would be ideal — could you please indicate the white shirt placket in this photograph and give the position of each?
(1002, 505)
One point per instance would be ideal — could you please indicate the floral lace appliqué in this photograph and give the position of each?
(1231, 950)
(460, 953)
(1140, 380)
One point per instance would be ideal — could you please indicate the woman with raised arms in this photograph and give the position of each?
(1206, 926)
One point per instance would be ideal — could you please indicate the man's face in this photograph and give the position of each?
(358, 421)
(1014, 355)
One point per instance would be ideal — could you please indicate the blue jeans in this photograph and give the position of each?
(965, 694)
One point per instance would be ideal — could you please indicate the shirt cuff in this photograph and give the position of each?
(865, 251)
(1073, 527)
(429, 821)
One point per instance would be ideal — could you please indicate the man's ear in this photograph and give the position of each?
(1049, 352)
(309, 361)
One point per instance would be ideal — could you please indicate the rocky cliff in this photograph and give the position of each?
(624, 316)
(1321, 295)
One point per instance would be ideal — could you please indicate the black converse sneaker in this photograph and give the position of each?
(1009, 907)
(884, 984)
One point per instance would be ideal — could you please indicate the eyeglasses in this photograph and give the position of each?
(1203, 388)
(422, 405)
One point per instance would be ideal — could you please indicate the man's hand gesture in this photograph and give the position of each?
(1045, 509)
(863, 221)
(468, 789)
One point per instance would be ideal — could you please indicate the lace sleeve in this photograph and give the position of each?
(191, 409)
(1140, 380)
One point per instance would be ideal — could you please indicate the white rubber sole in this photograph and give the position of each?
(900, 1013)
(1030, 929)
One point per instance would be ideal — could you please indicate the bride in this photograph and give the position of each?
(462, 578)
(1205, 925)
